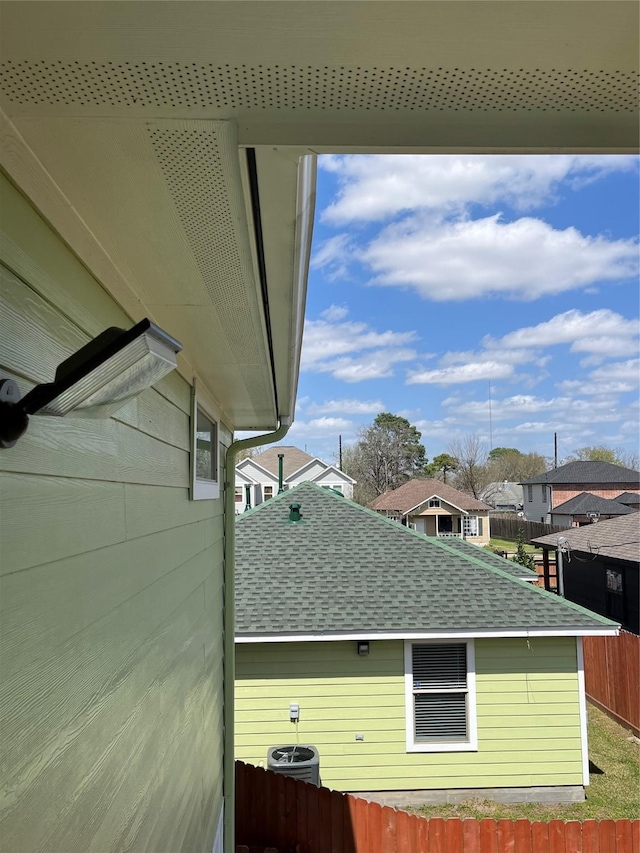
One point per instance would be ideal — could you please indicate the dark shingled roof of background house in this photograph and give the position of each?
(345, 568)
(586, 502)
(586, 473)
(614, 537)
(628, 498)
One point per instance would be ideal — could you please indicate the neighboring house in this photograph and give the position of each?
(503, 496)
(156, 161)
(436, 509)
(545, 492)
(629, 499)
(261, 473)
(417, 663)
(601, 564)
(586, 508)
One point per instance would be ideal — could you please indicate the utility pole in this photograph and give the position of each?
(490, 421)
(340, 452)
(555, 450)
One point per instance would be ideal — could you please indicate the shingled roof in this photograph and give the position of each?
(628, 498)
(294, 459)
(586, 473)
(346, 570)
(586, 502)
(616, 537)
(416, 492)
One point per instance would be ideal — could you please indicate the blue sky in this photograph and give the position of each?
(438, 283)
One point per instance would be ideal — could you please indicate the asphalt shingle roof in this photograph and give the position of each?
(586, 473)
(586, 502)
(345, 568)
(628, 498)
(415, 492)
(615, 537)
(294, 459)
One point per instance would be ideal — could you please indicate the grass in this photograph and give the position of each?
(506, 545)
(613, 793)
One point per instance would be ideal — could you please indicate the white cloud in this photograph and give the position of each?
(467, 259)
(585, 332)
(319, 427)
(347, 407)
(377, 187)
(372, 365)
(620, 377)
(332, 256)
(471, 372)
(352, 351)
(334, 313)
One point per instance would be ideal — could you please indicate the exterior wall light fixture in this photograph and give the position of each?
(94, 382)
(363, 647)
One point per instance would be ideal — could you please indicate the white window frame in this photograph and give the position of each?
(434, 503)
(203, 490)
(471, 744)
(470, 526)
(264, 492)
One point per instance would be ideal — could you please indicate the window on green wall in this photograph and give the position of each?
(204, 455)
(440, 696)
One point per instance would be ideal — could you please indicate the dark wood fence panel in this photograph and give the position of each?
(506, 526)
(273, 811)
(612, 676)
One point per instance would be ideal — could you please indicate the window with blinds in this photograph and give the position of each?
(440, 695)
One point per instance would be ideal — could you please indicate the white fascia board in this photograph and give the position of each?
(582, 696)
(250, 463)
(425, 635)
(306, 465)
(331, 469)
(437, 497)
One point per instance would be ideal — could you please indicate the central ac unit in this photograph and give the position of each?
(300, 761)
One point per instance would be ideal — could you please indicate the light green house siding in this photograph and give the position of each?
(110, 591)
(527, 706)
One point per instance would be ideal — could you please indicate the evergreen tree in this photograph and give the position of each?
(522, 555)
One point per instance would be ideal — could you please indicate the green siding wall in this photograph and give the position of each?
(528, 714)
(110, 590)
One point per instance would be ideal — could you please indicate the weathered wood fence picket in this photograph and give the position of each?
(612, 676)
(275, 811)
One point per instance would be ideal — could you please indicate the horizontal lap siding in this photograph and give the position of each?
(110, 591)
(528, 714)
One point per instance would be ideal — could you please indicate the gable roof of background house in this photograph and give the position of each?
(502, 492)
(586, 473)
(628, 498)
(347, 570)
(614, 537)
(586, 502)
(294, 459)
(416, 492)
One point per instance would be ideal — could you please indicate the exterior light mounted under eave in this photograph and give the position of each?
(94, 382)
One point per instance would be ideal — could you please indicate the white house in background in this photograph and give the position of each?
(260, 475)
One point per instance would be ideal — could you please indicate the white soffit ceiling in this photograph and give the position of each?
(137, 111)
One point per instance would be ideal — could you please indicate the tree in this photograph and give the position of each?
(472, 474)
(387, 454)
(509, 463)
(522, 555)
(602, 453)
(442, 464)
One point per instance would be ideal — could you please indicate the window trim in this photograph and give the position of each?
(202, 490)
(470, 745)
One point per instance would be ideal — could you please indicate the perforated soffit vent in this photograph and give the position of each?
(191, 162)
(243, 87)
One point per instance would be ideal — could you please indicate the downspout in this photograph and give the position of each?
(229, 622)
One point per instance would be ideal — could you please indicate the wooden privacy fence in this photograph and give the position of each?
(507, 524)
(612, 676)
(277, 811)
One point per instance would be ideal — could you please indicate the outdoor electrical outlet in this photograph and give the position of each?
(359, 736)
